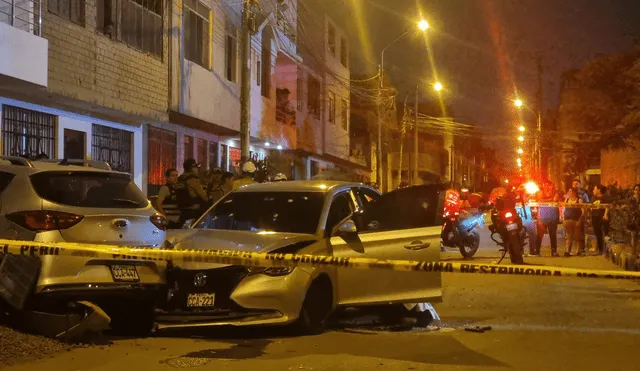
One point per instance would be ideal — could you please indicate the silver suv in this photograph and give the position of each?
(85, 202)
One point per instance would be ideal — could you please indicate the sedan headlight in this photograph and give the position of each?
(272, 271)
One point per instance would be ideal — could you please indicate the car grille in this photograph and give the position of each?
(221, 281)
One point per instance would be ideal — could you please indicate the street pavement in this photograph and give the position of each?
(537, 323)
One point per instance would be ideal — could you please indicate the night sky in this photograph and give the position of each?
(485, 49)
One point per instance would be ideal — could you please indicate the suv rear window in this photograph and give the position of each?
(88, 189)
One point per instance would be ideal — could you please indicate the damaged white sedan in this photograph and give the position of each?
(308, 217)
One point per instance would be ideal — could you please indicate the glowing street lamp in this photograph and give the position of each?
(437, 86)
(518, 103)
(521, 139)
(423, 25)
(520, 151)
(521, 128)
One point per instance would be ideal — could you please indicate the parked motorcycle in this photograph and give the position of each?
(460, 230)
(507, 224)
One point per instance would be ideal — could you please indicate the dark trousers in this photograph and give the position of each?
(552, 228)
(601, 229)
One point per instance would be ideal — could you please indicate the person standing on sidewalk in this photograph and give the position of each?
(248, 172)
(225, 186)
(600, 217)
(192, 197)
(573, 225)
(548, 218)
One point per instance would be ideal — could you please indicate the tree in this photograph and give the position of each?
(601, 108)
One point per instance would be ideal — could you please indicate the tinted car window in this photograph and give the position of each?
(293, 212)
(88, 189)
(341, 207)
(413, 207)
(367, 196)
(5, 180)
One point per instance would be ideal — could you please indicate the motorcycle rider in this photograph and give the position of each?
(248, 172)
(279, 178)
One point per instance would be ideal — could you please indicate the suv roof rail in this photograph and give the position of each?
(17, 160)
(80, 162)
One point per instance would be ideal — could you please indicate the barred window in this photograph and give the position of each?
(162, 156)
(113, 146)
(197, 36)
(201, 152)
(331, 39)
(141, 25)
(27, 133)
(71, 10)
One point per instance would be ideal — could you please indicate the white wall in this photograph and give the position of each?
(23, 55)
(68, 120)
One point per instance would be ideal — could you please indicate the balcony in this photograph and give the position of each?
(24, 53)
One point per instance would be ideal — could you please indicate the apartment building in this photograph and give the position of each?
(80, 79)
(145, 84)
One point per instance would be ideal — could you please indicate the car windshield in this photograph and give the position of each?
(293, 212)
(89, 189)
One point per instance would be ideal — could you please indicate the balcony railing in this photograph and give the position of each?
(22, 14)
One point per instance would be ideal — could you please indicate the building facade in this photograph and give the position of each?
(145, 85)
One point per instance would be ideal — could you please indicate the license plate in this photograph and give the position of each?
(124, 273)
(200, 300)
(512, 227)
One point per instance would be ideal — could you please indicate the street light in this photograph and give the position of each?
(437, 86)
(521, 128)
(521, 138)
(518, 103)
(423, 25)
(520, 151)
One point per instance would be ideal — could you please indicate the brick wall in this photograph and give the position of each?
(85, 64)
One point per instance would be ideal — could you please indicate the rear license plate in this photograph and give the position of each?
(200, 300)
(124, 273)
(512, 227)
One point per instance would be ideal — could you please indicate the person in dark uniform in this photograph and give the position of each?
(167, 200)
(192, 198)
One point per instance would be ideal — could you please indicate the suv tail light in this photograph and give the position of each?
(44, 220)
(508, 215)
(159, 221)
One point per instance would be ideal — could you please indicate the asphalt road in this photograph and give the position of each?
(538, 323)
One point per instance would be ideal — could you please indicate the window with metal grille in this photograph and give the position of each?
(71, 10)
(113, 146)
(27, 132)
(213, 154)
(197, 38)
(141, 25)
(331, 38)
(162, 156)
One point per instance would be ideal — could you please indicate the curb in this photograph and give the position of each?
(622, 256)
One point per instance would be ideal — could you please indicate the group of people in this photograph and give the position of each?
(188, 195)
(574, 219)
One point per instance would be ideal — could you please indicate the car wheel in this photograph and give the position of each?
(137, 320)
(316, 308)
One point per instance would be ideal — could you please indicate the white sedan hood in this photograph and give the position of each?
(210, 239)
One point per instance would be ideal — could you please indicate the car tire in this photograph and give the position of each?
(316, 308)
(138, 320)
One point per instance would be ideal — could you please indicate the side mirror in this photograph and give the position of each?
(187, 223)
(347, 228)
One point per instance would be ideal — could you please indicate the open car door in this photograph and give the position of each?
(402, 225)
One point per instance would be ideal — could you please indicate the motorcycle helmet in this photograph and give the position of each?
(249, 167)
(279, 177)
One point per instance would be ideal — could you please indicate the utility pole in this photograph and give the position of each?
(245, 81)
(539, 141)
(415, 137)
(379, 149)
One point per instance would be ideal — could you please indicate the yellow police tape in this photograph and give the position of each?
(575, 206)
(248, 258)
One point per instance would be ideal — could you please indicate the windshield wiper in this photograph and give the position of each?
(124, 200)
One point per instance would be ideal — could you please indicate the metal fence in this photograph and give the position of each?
(23, 14)
(27, 133)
